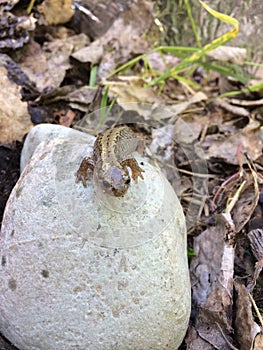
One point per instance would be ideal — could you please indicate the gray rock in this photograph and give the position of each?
(83, 270)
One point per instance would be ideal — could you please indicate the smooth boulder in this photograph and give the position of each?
(83, 270)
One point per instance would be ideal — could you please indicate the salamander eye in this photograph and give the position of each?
(106, 184)
(127, 181)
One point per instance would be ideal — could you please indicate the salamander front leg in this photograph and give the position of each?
(85, 171)
(135, 168)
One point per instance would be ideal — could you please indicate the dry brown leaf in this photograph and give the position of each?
(256, 243)
(33, 62)
(14, 33)
(179, 108)
(56, 11)
(212, 283)
(246, 202)
(65, 117)
(186, 133)
(245, 326)
(121, 41)
(225, 147)
(81, 98)
(58, 54)
(194, 342)
(230, 54)
(8, 4)
(223, 103)
(162, 62)
(258, 343)
(162, 139)
(238, 195)
(245, 103)
(92, 53)
(46, 65)
(131, 89)
(14, 118)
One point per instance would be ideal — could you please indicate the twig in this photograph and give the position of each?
(256, 309)
(219, 190)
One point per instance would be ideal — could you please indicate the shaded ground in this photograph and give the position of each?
(210, 149)
(9, 171)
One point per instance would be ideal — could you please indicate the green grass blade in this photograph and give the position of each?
(127, 65)
(198, 55)
(189, 12)
(175, 49)
(104, 110)
(254, 64)
(253, 88)
(225, 70)
(93, 75)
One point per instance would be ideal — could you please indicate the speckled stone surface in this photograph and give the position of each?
(82, 270)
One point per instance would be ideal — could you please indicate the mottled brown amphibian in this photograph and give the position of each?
(111, 157)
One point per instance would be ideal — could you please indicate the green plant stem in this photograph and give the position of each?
(189, 12)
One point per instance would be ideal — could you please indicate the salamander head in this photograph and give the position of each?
(114, 181)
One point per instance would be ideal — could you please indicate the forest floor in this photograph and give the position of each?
(56, 66)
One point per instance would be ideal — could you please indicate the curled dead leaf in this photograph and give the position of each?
(236, 55)
(212, 282)
(14, 118)
(56, 11)
(245, 325)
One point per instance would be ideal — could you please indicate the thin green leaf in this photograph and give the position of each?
(230, 94)
(175, 49)
(198, 55)
(93, 76)
(104, 110)
(252, 88)
(190, 252)
(186, 81)
(253, 64)
(225, 71)
(127, 65)
(104, 99)
(30, 6)
(256, 87)
(189, 12)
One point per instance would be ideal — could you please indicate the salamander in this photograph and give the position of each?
(111, 157)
